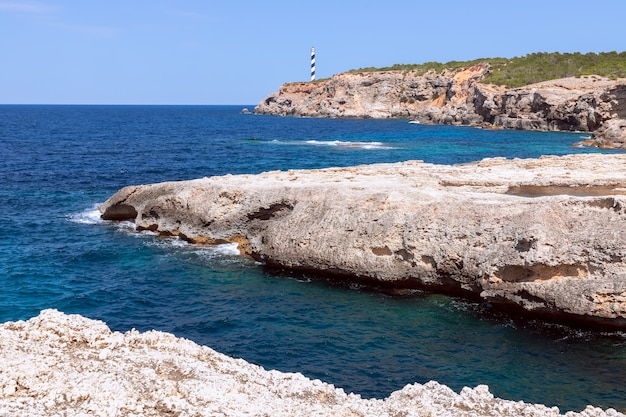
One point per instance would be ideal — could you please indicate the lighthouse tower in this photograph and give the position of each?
(312, 64)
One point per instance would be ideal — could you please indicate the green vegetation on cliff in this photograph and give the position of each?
(530, 69)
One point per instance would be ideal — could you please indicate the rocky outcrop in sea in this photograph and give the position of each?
(587, 104)
(543, 237)
(67, 365)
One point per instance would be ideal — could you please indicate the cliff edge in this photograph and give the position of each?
(459, 97)
(542, 236)
(66, 365)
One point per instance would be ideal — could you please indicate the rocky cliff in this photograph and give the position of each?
(543, 236)
(459, 97)
(67, 365)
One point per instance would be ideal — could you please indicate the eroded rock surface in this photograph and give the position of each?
(66, 365)
(545, 236)
(460, 98)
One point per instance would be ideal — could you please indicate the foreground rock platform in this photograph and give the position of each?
(67, 365)
(542, 236)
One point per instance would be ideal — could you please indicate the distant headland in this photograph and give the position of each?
(541, 91)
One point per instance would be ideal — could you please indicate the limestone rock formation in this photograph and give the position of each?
(66, 365)
(544, 236)
(612, 134)
(460, 98)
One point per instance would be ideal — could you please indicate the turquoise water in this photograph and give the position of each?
(57, 163)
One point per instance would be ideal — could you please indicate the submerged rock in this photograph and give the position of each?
(542, 236)
(56, 364)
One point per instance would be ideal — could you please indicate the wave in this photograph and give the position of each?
(88, 216)
(91, 216)
(228, 249)
(335, 143)
(350, 144)
(173, 246)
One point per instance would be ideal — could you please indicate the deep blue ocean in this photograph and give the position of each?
(57, 163)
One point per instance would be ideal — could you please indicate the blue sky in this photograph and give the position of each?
(239, 51)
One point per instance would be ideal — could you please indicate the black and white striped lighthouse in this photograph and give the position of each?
(312, 64)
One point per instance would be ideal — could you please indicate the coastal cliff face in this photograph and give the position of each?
(460, 98)
(544, 236)
(66, 365)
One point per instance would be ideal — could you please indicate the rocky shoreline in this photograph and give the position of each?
(587, 104)
(544, 237)
(67, 365)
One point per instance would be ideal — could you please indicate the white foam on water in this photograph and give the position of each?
(338, 144)
(203, 251)
(376, 145)
(175, 242)
(88, 216)
(228, 249)
(350, 144)
(91, 216)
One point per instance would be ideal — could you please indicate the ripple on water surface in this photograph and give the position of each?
(363, 341)
(57, 162)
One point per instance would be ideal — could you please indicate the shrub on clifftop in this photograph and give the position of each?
(530, 69)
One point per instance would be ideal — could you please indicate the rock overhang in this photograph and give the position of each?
(520, 233)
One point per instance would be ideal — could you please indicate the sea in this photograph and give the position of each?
(58, 163)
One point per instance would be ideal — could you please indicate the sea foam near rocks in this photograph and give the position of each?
(90, 215)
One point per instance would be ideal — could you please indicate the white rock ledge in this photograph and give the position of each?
(67, 365)
(545, 237)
